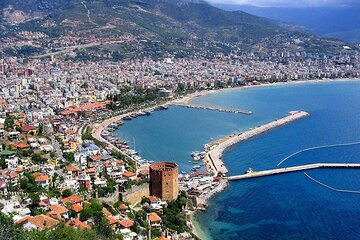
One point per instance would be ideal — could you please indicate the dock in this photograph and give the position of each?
(215, 149)
(255, 174)
(227, 110)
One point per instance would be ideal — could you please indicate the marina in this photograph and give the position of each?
(104, 133)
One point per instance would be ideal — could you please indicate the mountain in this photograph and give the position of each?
(339, 22)
(156, 27)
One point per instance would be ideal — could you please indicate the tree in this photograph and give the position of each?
(35, 198)
(7, 230)
(173, 217)
(3, 164)
(67, 193)
(41, 129)
(9, 123)
(94, 211)
(145, 200)
(69, 156)
(61, 232)
(104, 229)
(37, 158)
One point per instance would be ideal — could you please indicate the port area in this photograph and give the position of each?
(214, 150)
(228, 110)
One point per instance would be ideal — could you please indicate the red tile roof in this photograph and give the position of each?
(77, 224)
(77, 208)
(127, 223)
(112, 220)
(27, 128)
(122, 207)
(72, 168)
(41, 178)
(40, 221)
(153, 217)
(129, 174)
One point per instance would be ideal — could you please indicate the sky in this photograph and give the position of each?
(288, 3)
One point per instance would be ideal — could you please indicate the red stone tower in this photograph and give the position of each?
(164, 180)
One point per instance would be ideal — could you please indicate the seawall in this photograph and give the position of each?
(216, 148)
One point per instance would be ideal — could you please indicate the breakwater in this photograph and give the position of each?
(227, 110)
(255, 174)
(216, 148)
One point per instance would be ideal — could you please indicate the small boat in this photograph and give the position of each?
(194, 154)
(196, 167)
(183, 172)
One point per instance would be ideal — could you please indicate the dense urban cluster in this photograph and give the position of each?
(56, 172)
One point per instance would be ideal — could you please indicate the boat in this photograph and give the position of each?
(183, 172)
(127, 118)
(196, 167)
(195, 153)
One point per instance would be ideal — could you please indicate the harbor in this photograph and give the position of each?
(216, 148)
(104, 133)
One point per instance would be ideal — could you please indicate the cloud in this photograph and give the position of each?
(287, 3)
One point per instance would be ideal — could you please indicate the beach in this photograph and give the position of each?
(231, 138)
(185, 100)
(216, 165)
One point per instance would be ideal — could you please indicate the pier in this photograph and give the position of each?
(255, 174)
(215, 149)
(228, 110)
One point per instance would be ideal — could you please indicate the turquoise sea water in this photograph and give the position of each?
(289, 206)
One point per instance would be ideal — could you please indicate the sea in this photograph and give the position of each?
(288, 206)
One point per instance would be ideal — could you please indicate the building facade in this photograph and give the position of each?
(164, 177)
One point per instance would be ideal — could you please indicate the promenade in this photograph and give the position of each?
(216, 148)
(254, 174)
(96, 132)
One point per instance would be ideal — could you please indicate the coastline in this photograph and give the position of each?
(227, 141)
(214, 152)
(188, 98)
(97, 130)
(185, 100)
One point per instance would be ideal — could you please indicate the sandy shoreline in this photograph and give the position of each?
(188, 98)
(212, 159)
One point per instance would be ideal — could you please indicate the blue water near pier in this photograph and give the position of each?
(289, 206)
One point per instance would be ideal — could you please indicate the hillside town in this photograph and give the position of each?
(54, 168)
